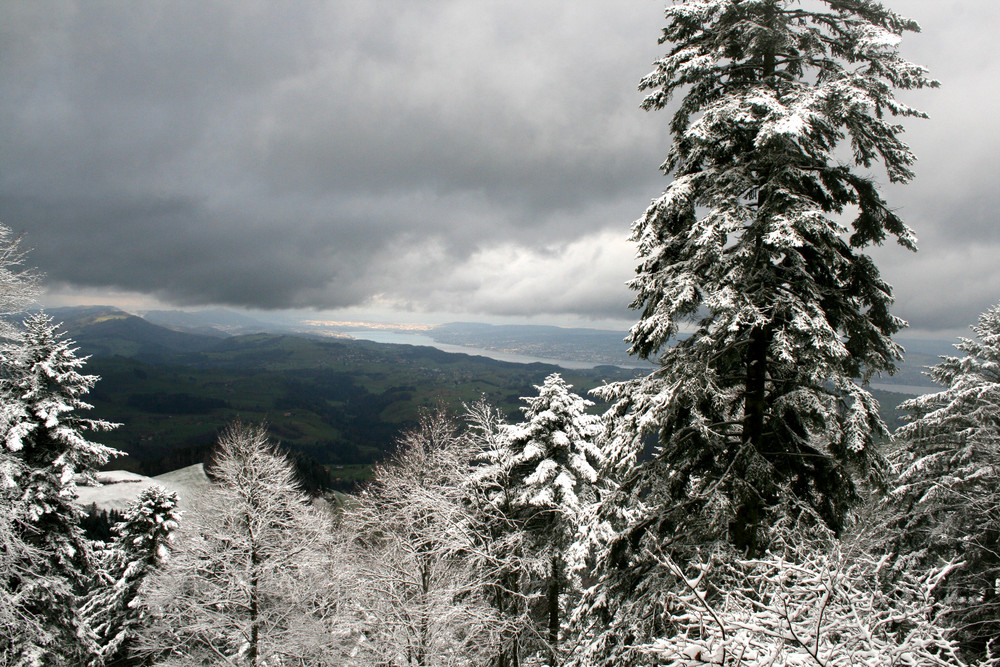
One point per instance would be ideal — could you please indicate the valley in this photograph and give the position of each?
(336, 404)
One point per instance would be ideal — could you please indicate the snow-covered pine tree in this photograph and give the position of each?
(498, 531)
(113, 610)
(554, 462)
(946, 502)
(45, 448)
(757, 248)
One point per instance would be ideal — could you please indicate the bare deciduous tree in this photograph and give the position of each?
(18, 284)
(253, 579)
(808, 602)
(426, 574)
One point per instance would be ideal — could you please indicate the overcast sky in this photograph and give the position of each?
(437, 159)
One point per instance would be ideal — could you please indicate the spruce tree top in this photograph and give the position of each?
(758, 245)
(750, 231)
(46, 391)
(556, 456)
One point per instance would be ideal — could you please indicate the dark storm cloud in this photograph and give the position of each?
(307, 154)
(469, 155)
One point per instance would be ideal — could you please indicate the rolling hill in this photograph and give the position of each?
(337, 405)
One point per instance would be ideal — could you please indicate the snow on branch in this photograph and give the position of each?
(804, 605)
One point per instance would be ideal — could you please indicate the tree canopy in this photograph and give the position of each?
(754, 290)
(757, 247)
(947, 493)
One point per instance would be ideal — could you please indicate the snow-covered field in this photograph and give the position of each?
(119, 488)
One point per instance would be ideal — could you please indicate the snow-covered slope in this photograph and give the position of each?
(119, 488)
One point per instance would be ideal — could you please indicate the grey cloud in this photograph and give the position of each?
(274, 155)
(329, 154)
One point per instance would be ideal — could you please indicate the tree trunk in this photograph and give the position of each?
(749, 514)
(553, 604)
(252, 652)
(424, 631)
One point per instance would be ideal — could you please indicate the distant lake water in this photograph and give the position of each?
(914, 389)
(400, 338)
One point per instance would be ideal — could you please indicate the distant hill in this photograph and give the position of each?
(920, 353)
(608, 347)
(109, 331)
(337, 404)
(598, 346)
(106, 331)
(213, 322)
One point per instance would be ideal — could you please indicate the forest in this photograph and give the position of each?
(742, 503)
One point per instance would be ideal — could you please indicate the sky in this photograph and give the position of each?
(417, 161)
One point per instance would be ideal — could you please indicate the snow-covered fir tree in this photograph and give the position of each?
(113, 609)
(45, 448)
(757, 248)
(251, 579)
(554, 459)
(946, 503)
(499, 532)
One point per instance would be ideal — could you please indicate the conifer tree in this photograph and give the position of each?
(554, 460)
(45, 450)
(757, 247)
(499, 531)
(113, 610)
(946, 502)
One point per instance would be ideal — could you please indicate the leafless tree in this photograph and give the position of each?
(18, 283)
(254, 578)
(426, 575)
(807, 602)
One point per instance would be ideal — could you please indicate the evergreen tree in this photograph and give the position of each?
(113, 610)
(554, 460)
(947, 496)
(45, 449)
(499, 531)
(756, 412)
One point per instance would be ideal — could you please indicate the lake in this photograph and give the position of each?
(402, 338)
